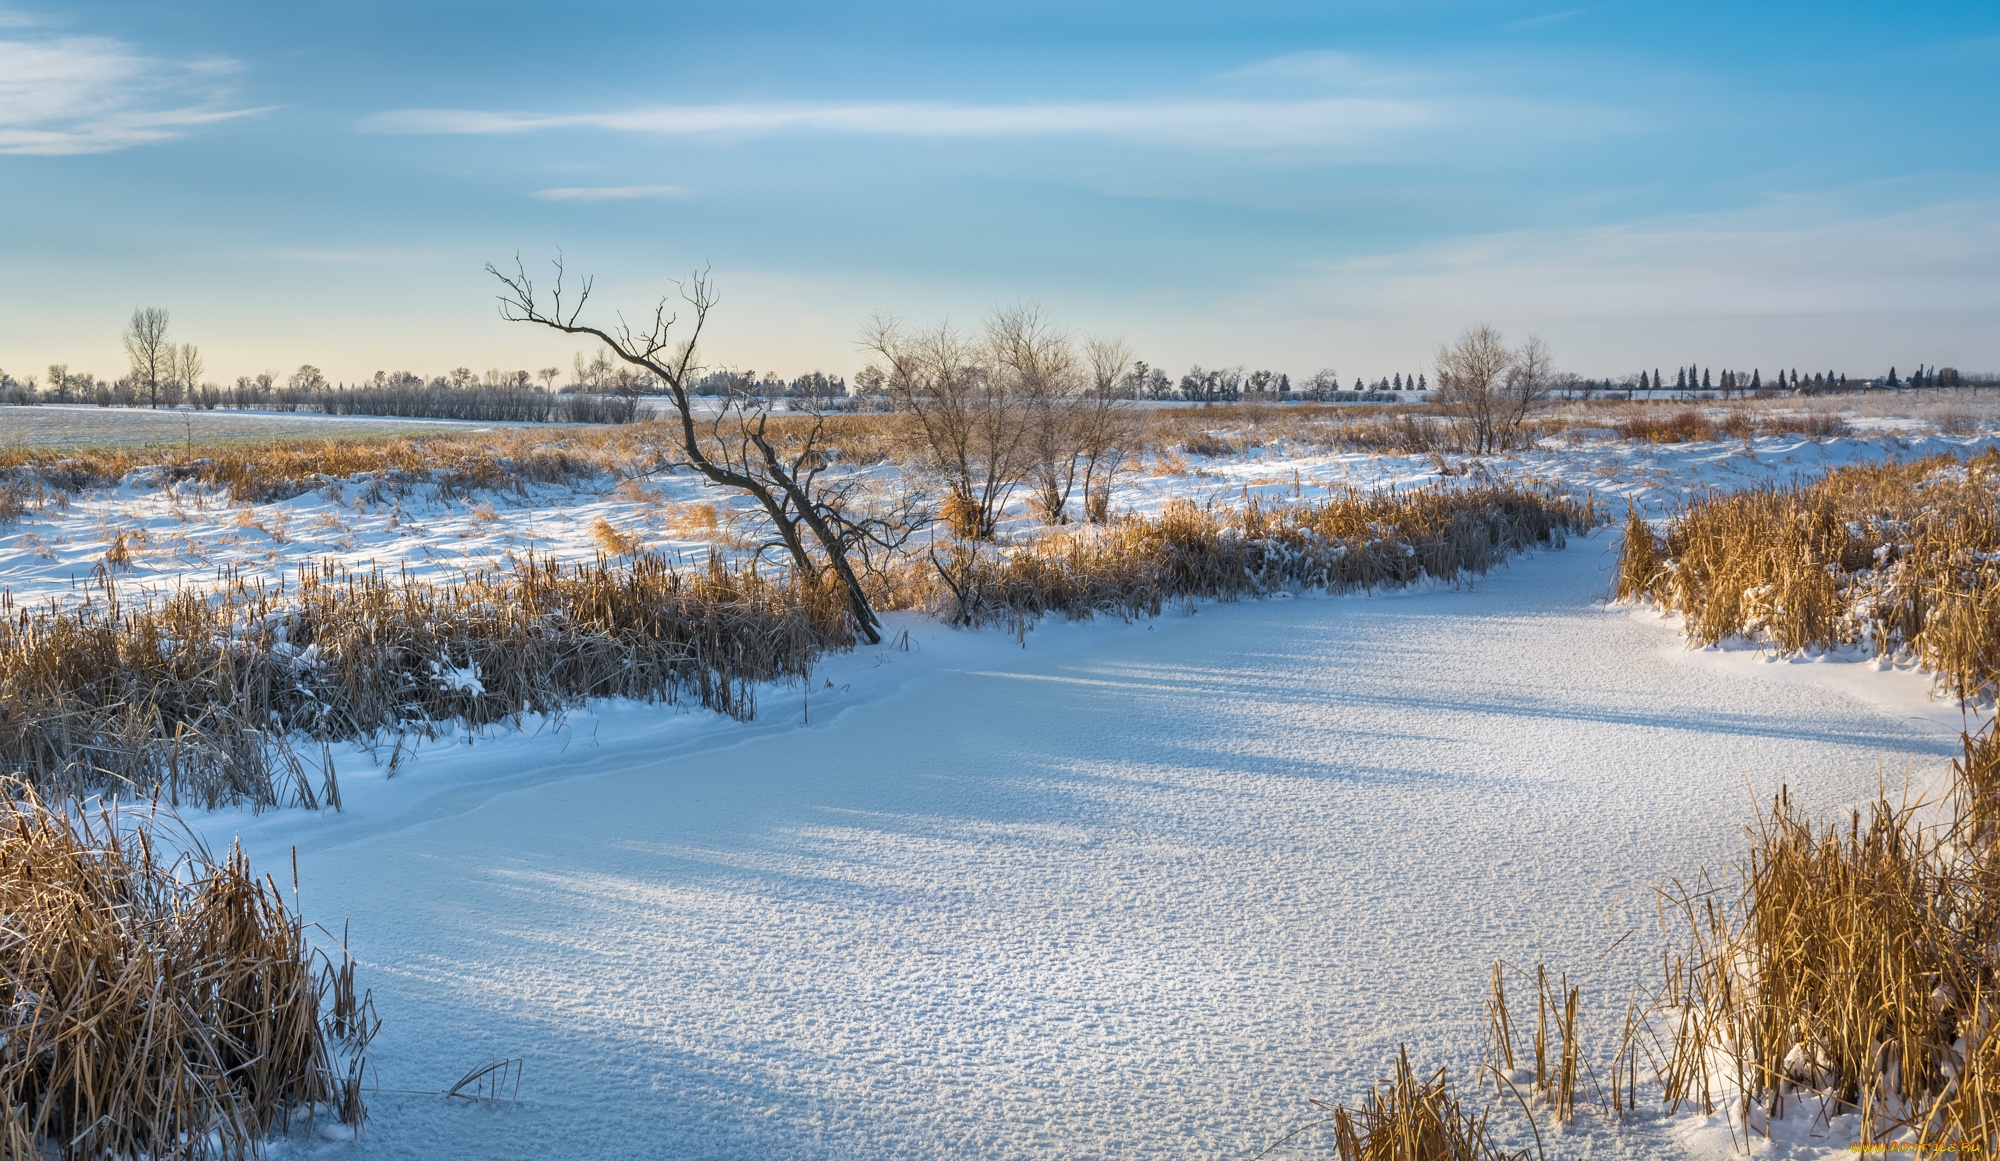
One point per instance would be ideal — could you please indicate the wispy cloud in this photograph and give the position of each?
(611, 193)
(359, 256)
(1771, 259)
(1219, 123)
(91, 94)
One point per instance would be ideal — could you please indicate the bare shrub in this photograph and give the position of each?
(1490, 387)
(971, 433)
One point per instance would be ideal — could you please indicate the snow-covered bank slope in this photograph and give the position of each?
(1137, 894)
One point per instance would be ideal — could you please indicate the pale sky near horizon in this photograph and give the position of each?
(1276, 184)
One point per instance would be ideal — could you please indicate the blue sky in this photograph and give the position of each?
(1275, 184)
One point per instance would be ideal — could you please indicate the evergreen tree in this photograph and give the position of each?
(1680, 379)
(1704, 380)
(1399, 380)
(1756, 381)
(1892, 378)
(1358, 386)
(1421, 384)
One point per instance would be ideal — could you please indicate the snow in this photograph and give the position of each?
(185, 534)
(1132, 890)
(1129, 889)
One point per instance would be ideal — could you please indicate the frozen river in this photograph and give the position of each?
(1130, 891)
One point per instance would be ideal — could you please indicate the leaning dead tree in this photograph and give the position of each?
(812, 516)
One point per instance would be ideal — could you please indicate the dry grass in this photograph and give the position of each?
(496, 461)
(1684, 426)
(1693, 425)
(1855, 972)
(1894, 557)
(1357, 539)
(159, 1006)
(1407, 1118)
(1856, 968)
(612, 541)
(199, 697)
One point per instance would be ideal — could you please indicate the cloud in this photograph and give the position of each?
(359, 256)
(1792, 256)
(613, 193)
(92, 94)
(1214, 123)
(1798, 274)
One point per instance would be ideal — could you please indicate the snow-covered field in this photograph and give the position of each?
(1125, 890)
(184, 533)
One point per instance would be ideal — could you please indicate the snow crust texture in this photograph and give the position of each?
(1132, 891)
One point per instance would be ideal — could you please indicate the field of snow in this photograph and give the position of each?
(183, 533)
(81, 425)
(1123, 890)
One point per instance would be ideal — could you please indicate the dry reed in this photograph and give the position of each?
(198, 697)
(1855, 969)
(1353, 540)
(163, 1006)
(1407, 1118)
(1896, 558)
(1854, 973)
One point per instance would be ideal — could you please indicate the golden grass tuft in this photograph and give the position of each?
(199, 697)
(1855, 972)
(1896, 558)
(1356, 539)
(162, 1006)
(1405, 1117)
(612, 541)
(1685, 426)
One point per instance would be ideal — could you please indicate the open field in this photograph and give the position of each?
(80, 426)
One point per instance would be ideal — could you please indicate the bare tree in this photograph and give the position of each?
(972, 434)
(1037, 369)
(1489, 386)
(147, 346)
(1527, 384)
(1105, 424)
(733, 448)
(187, 369)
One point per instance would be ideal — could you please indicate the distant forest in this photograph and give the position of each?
(596, 390)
